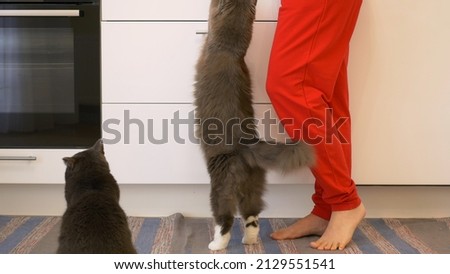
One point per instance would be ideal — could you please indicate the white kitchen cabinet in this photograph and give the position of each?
(149, 52)
(154, 62)
(47, 168)
(398, 69)
(150, 62)
(148, 150)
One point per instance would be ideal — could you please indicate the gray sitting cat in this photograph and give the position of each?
(236, 158)
(94, 222)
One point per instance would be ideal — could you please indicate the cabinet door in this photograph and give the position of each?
(149, 143)
(155, 144)
(46, 167)
(149, 62)
(154, 62)
(174, 10)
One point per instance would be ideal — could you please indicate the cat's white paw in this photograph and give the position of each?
(251, 231)
(220, 241)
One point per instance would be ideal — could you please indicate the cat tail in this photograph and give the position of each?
(284, 157)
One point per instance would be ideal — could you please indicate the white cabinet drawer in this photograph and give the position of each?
(155, 144)
(149, 62)
(151, 152)
(48, 168)
(154, 62)
(174, 10)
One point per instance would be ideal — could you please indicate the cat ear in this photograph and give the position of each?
(99, 146)
(69, 162)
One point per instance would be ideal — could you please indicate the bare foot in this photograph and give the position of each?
(310, 225)
(340, 229)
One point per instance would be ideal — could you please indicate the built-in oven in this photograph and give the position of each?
(49, 73)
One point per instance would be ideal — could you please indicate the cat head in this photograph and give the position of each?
(231, 23)
(93, 156)
(88, 170)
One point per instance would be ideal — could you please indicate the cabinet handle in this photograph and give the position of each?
(18, 158)
(201, 32)
(40, 13)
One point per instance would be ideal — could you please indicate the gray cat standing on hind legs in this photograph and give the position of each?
(236, 158)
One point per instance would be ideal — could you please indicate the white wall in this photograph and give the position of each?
(400, 92)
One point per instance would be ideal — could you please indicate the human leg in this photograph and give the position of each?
(309, 51)
(342, 224)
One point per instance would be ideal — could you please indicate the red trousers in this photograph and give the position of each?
(307, 84)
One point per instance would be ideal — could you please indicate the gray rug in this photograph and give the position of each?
(177, 234)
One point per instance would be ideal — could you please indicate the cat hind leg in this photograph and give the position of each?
(252, 204)
(220, 240)
(222, 232)
(251, 230)
(224, 207)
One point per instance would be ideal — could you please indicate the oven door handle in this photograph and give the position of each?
(40, 13)
(18, 158)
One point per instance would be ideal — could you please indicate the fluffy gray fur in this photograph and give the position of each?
(94, 222)
(236, 158)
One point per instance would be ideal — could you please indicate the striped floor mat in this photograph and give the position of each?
(177, 234)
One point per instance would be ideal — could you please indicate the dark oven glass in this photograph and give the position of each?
(49, 74)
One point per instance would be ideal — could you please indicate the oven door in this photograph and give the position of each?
(49, 74)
